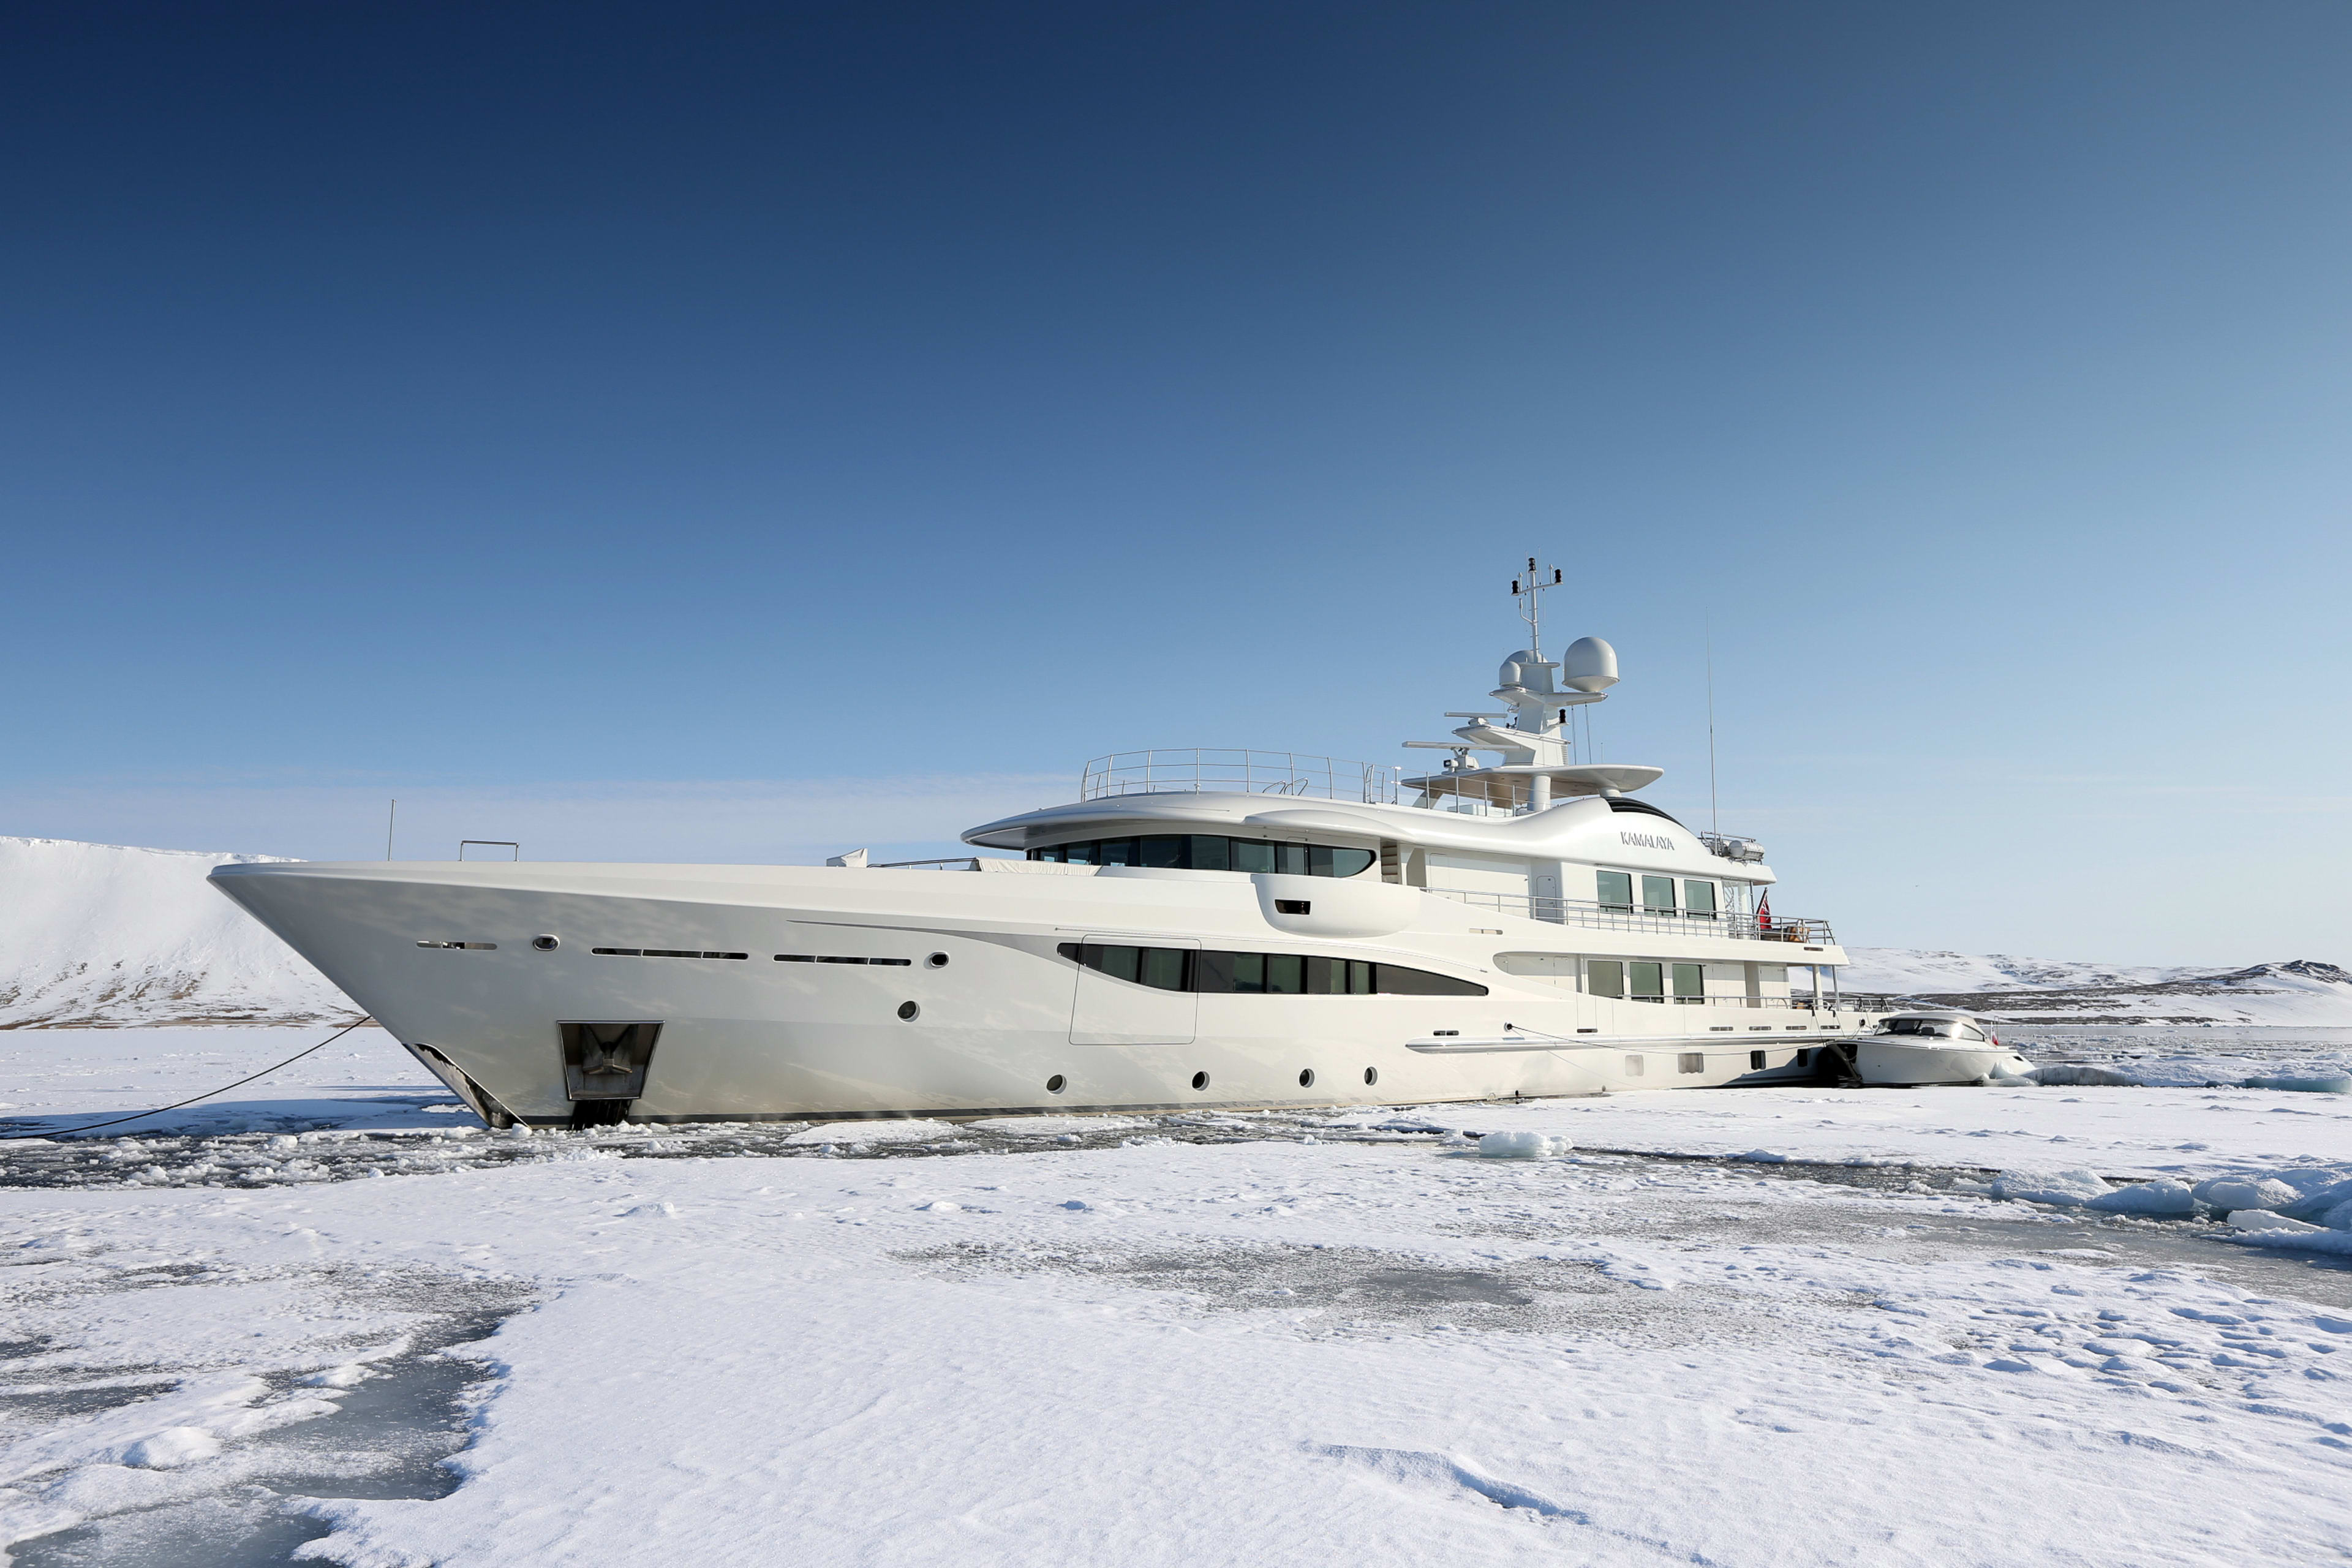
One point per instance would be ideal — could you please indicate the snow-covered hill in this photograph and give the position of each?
(2299, 992)
(100, 935)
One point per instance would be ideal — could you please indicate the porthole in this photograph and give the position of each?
(1199, 1080)
(937, 961)
(909, 1011)
(1307, 1079)
(546, 943)
(1371, 1075)
(1057, 1084)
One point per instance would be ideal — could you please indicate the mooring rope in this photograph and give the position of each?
(265, 1072)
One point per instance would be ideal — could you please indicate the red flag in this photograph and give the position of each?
(1764, 912)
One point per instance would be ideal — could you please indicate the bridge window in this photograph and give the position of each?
(1616, 889)
(1698, 901)
(1261, 973)
(1658, 895)
(1209, 852)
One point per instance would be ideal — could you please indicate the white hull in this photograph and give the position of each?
(754, 1037)
(1882, 1062)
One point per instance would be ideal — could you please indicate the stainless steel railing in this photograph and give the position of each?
(1196, 770)
(1617, 916)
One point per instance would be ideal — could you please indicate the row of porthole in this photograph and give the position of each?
(1057, 1083)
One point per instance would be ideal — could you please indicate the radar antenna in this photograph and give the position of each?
(1528, 589)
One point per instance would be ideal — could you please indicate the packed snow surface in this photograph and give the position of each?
(97, 934)
(1478, 1333)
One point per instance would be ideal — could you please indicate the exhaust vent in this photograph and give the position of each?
(607, 1060)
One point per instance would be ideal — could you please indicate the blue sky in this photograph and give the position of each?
(721, 431)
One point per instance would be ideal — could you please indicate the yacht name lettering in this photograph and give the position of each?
(1645, 840)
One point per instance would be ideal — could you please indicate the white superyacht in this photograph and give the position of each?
(1198, 929)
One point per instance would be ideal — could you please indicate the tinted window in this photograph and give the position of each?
(1395, 980)
(1211, 852)
(1606, 977)
(1698, 900)
(1690, 983)
(1262, 973)
(1163, 968)
(1658, 895)
(1649, 982)
(1616, 889)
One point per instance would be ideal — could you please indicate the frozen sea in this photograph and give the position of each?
(328, 1318)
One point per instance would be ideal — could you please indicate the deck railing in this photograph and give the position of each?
(1618, 917)
(1803, 1002)
(1197, 769)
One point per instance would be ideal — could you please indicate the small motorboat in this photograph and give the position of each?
(1932, 1046)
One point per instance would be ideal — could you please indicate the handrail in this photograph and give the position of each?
(1617, 916)
(1197, 769)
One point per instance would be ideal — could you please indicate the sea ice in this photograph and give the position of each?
(2227, 1194)
(2162, 1196)
(1523, 1146)
(2067, 1187)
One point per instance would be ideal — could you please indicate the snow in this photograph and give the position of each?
(98, 934)
(1222, 1337)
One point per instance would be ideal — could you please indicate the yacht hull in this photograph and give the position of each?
(1884, 1063)
(824, 993)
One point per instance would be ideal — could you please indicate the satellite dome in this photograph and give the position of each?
(1515, 669)
(1589, 665)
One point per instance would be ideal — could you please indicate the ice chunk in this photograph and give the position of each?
(2261, 1219)
(172, 1447)
(2231, 1194)
(942, 1205)
(351, 1374)
(1523, 1146)
(2072, 1073)
(2316, 1205)
(2162, 1196)
(2076, 1186)
(2303, 1085)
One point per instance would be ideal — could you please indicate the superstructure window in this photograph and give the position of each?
(1218, 973)
(1616, 889)
(1211, 852)
(1649, 982)
(1698, 901)
(1606, 977)
(1690, 983)
(1658, 895)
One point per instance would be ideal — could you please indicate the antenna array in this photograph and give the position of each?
(1528, 589)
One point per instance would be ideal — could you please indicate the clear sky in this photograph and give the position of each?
(740, 432)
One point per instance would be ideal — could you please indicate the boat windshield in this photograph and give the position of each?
(1941, 1028)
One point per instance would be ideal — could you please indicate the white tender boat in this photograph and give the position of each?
(1933, 1046)
(1197, 928)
